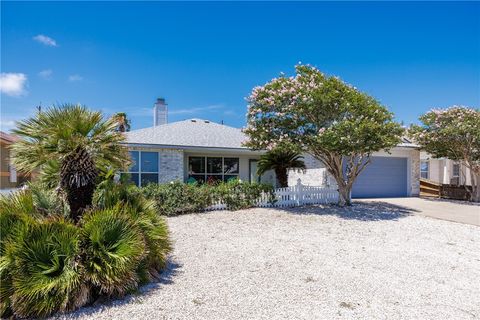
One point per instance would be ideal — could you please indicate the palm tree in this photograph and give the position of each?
(73, 144)
(280, 160)
(123, 123)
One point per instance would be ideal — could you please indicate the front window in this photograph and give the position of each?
(424, 166)
(144, 168)
(212, 169)
(456, 170)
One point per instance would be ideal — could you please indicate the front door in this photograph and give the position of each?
(253, 171)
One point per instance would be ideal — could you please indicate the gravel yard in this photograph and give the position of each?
(370, 261)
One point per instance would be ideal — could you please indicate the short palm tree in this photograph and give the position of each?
(123, 123)
(280, 160)
(73, 144)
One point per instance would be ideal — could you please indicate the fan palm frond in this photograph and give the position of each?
(46, 276)
(114, 247)
(281, 160)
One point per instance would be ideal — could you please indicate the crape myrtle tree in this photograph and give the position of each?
(453, 133)
(327, 118)
(70, 146)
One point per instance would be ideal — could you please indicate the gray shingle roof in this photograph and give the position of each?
(199, 133)
(192, 132)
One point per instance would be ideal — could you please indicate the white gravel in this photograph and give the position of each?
(367, 262)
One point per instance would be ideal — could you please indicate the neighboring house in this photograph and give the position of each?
(443, 170)
(9, 178)
(201, 150)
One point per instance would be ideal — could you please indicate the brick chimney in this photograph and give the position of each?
(160, 112)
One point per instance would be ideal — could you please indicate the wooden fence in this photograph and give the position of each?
(450, 191)
(294, 196)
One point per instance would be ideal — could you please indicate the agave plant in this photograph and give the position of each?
(75, 145)
(113, 248)
(46, 274)
(280, 160)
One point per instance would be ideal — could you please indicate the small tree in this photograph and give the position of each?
(280, 160)
(73, 146)
(332, 121)
(453, 133)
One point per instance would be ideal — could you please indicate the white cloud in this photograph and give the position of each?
(46, 74)
(13, 84)
(43, 39)
(6, 125)
(195, 110)
(75, 77)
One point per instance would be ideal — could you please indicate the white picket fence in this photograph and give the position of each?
(294, 196)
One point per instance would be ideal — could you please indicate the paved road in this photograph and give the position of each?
(450, 210)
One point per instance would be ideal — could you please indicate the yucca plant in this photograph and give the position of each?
(281, 160)
(113, 247)
(72, 143)
(46, 274)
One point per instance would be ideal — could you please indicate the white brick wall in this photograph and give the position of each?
(314, 176)
(171, 165)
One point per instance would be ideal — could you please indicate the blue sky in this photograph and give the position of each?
(205, 58)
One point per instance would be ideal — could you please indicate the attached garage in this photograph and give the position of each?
(383, 177)
(395, 173)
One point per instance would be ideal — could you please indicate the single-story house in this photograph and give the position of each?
(443, 170)
(201, 150)
(192, 150)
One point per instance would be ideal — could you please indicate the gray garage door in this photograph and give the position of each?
(383, 177)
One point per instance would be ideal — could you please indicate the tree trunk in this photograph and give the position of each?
(475, 196)
(79, 199)
(78, 176)
(282, 177)
(344, 194)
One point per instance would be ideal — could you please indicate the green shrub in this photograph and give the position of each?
(179, 198)
(37, 201)
(18, 202)
(240, 195)
(46, 274)
(113, 247)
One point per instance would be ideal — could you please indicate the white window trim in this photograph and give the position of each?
(423, 171)
(223, 174)
(139, 172)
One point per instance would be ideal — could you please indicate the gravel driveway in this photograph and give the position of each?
(370, 261)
